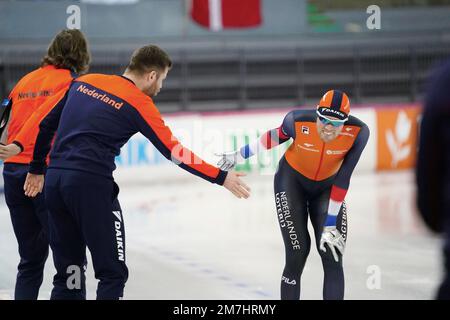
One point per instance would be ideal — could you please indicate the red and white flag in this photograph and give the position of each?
(220, 14)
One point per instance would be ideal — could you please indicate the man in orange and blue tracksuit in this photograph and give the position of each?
(67, 55)
(94, 119)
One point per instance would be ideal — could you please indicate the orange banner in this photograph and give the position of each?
(397, 130)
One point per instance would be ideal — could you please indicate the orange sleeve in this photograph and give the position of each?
(152, 125)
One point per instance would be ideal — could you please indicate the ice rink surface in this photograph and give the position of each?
(188, 239)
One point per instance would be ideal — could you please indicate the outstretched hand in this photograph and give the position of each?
(235, 185)
(228, 160)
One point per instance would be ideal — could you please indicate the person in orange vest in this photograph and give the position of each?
(92, 121)
(312, 180)
(67, 56)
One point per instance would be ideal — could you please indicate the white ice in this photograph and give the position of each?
(188, 239)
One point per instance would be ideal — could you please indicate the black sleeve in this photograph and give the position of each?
(47, 129)
(352, 158)
(433, 142)
(429, 179)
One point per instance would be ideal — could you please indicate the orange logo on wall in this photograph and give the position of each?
(397, 137)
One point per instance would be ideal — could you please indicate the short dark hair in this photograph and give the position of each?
(68, 50)
(149, 58)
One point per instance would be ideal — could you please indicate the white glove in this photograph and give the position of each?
(229, 160)
(334, 239)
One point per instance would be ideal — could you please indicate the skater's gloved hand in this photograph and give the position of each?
(235, 185)
(9, 151)
(229, 160)
(33, 184)
(334, 239)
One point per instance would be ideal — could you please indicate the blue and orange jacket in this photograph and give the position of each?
(33, 90)
(95, 118)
